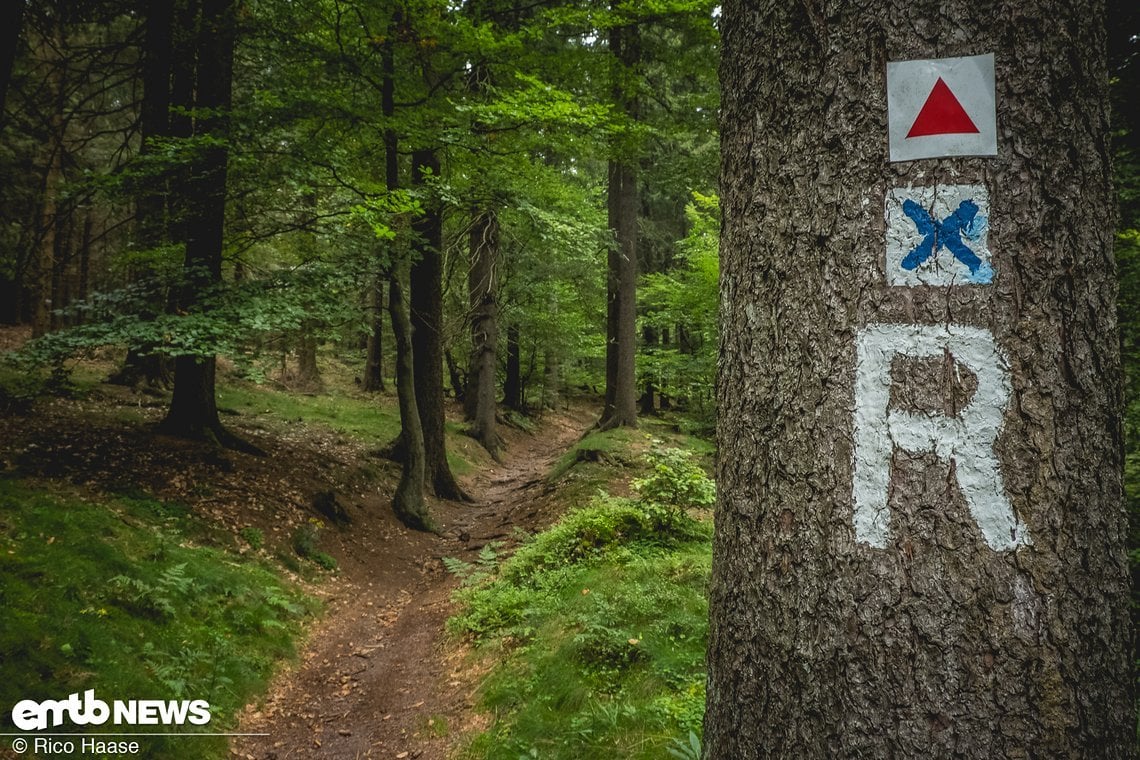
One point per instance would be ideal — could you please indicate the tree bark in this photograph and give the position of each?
(427, 330)
(620, 407)
(923, 631)
(482, 286)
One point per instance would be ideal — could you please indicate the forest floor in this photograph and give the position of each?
(377, 675)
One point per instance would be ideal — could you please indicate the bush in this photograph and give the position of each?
(675, 482)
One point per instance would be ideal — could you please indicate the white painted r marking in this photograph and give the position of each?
(967, 439)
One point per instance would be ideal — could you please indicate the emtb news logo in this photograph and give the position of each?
(29, 715)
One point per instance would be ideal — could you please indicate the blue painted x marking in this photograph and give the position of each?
(947, 234)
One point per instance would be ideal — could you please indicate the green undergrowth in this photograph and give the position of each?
(595, 630)
(117, 595)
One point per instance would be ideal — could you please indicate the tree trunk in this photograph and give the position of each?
(193, 411)
(919, 546)
(552, 380)
(454, 375)
(374, 364)
(11, 19)
(53, 175)
(620, 408)
(408, 501)
(427, 330)
(374, 369)
(648, 400)
(512, 385)
(308, 373)
(482, 285)
(142, 364)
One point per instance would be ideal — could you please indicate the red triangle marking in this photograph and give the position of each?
(942, 114)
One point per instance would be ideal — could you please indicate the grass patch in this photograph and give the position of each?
(597, 627)
(115, 596)
(363, 417)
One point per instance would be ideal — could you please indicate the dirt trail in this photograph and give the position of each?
(376, 679)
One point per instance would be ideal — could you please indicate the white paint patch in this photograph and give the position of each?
(955, 118)
(967, 439)
(940, 203)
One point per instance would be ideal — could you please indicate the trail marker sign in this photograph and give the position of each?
(941, 107)
(937, 235)
(967, 438)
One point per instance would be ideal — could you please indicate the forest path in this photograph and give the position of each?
(376, 678)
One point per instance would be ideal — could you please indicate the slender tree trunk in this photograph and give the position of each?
(11, 22)
(920, 541)
(620, 408)
(648, 401)
(482, 285)
(193, 410)
(83, 268)
(512, 385)
(374, 364)
(427, 330)
(454, 375)
(308, 373)
(374, 371)
(552, 380)
(482, 291)
(408, 501)
(142, 363)
(45, 261)
(49, 202)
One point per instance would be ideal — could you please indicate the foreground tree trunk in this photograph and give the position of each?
(427, 331)
(971, 613)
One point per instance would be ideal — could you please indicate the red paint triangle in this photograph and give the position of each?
(942, 114)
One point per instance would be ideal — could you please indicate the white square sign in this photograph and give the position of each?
(938, 236)
(941, 107)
